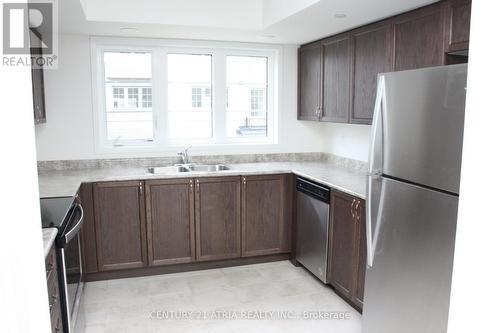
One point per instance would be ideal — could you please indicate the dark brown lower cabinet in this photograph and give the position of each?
(170, 221)
(218, 223)
(347, 249)
(265, 215)
(120, 225)
(53, 290)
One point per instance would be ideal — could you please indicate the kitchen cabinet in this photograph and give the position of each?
(170, 221)
(120, 224)
(419, 38)
(459, 12)
(218, 218)
(37, 81)
(266, 215)
(336, 79)
(54, 295)
(88, 231)
(310, 81)
(371, 55)
(346, 251)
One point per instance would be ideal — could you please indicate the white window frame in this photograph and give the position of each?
(159, 49)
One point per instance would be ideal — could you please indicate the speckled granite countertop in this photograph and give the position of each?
(66, 183)
(49, 235)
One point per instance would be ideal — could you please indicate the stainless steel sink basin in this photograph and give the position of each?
(168, 169)
(188, 168)
(208, 167)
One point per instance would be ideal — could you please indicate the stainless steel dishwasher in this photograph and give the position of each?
(313, 213)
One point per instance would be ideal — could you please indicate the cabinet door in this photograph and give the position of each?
(218, 224)
(310, 81)
(419, 38)
(336, 78)
(170, 221)
(372, 54)
(360, 255)
(87, 233)
(265, 228)
(120, 225)
(342, 244)
(459, 24)
(38, 95)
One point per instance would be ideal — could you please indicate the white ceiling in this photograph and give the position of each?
(269, 21)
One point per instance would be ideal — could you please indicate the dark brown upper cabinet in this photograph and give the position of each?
(372, 54)
(218, 219)
(338, 75)
(37, 80)
(170, 221)
(346, 252)
(459, 13)
(266, 206)
(336, 79)
(310, 82)
(419, 38)
(120, 224)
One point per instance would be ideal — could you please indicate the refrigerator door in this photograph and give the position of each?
(418, 126)
(408, 285)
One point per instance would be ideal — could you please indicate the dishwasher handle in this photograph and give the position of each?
(314, 190)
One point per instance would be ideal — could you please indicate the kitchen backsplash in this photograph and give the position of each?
(204, 159)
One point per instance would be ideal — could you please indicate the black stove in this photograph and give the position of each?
(66, 214)
(54, 211)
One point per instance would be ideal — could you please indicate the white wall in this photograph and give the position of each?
(68, 133)
(475, 292)
(23, 287)
(347, 140)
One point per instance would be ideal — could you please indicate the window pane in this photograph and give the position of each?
(127, 80)
(189, 96)
(246, 94)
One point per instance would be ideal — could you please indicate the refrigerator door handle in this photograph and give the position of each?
(375, 161)
(374, 205)
(375, 167)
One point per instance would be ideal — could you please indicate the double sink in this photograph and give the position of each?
(178, 168)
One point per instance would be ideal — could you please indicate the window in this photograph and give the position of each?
(196, 97)
(118, 98)
(147, 98)
(257, 102)
(246, 86)
(125, 120)
(165, 95)
(189, 109)
(133, 98)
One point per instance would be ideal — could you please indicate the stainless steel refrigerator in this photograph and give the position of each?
(412, 199)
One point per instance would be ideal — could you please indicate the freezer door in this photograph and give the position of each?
(408, 285)
(418, 126)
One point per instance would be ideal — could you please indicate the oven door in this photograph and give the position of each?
(71, 267)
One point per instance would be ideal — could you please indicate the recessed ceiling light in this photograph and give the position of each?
(340, 15)
(268, 36)
(128, 29)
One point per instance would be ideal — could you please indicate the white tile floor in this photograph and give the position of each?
(128, 305)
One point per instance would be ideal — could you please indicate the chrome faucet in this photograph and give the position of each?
(184, 156)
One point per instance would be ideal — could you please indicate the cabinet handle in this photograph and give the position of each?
(49, 268)
(197, 184)
(140, 188)
(356, 210)
(352, 208)
(244, 181)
